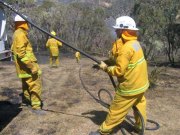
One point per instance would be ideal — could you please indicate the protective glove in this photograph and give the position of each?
(103, 66)
(78, 56)
(33, 67)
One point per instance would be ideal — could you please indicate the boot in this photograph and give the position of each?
(38, 109)
(137, 129)
(25, 102)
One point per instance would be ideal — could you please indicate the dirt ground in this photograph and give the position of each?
(71, 109)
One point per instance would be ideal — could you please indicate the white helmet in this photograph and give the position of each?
(125, 22)
(18, 18)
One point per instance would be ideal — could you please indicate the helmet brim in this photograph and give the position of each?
(133, 29)
(116, 27)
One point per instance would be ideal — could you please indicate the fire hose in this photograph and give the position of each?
(76, 49)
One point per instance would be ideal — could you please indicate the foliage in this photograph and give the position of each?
(156, 20)
(79, 24)
(83, 25)
(119, 8)
(154, 75)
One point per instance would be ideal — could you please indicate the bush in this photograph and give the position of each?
(154, 75)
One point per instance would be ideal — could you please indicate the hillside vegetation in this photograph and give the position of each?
(83, 24)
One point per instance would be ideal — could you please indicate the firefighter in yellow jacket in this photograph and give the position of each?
(77, 56)
(53, 46)
(26, 64)
(131, 70)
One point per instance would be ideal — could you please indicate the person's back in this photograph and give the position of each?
(135, 77)
(53, 46)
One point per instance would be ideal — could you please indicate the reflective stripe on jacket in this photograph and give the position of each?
(131, 69)
(53, 45)
(23, 53)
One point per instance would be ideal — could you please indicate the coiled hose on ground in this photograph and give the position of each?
(106, 105)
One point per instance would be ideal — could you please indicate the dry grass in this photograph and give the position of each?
(71, 110)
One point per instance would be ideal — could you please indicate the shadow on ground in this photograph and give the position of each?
(99, 116)
(10, 107)
(8, 111)
(96, 116)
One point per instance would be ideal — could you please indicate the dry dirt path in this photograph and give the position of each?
(71, 110)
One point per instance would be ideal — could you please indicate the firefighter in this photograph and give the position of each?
(131, 70)
(26, 65)
(53, 46)
(77, 56)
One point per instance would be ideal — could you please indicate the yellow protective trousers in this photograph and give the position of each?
(119, 109)
(32, 90)
(54, 60)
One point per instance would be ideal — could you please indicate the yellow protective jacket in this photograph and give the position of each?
(53, 45)
(116, 47)
(130, 69)
(23, 54)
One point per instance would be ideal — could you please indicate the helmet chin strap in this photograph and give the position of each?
(119, 35)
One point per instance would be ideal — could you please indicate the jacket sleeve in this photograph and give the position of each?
(21, 45)
(111, 60)
(47, 44)
(21, 42)
(59, 43)
(122, 63)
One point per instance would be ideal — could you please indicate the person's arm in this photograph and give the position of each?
(59, 43)
(113, 53)
(24, 57)
(21, 44)
(111, 60)
(122, 63)
(47, 44)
